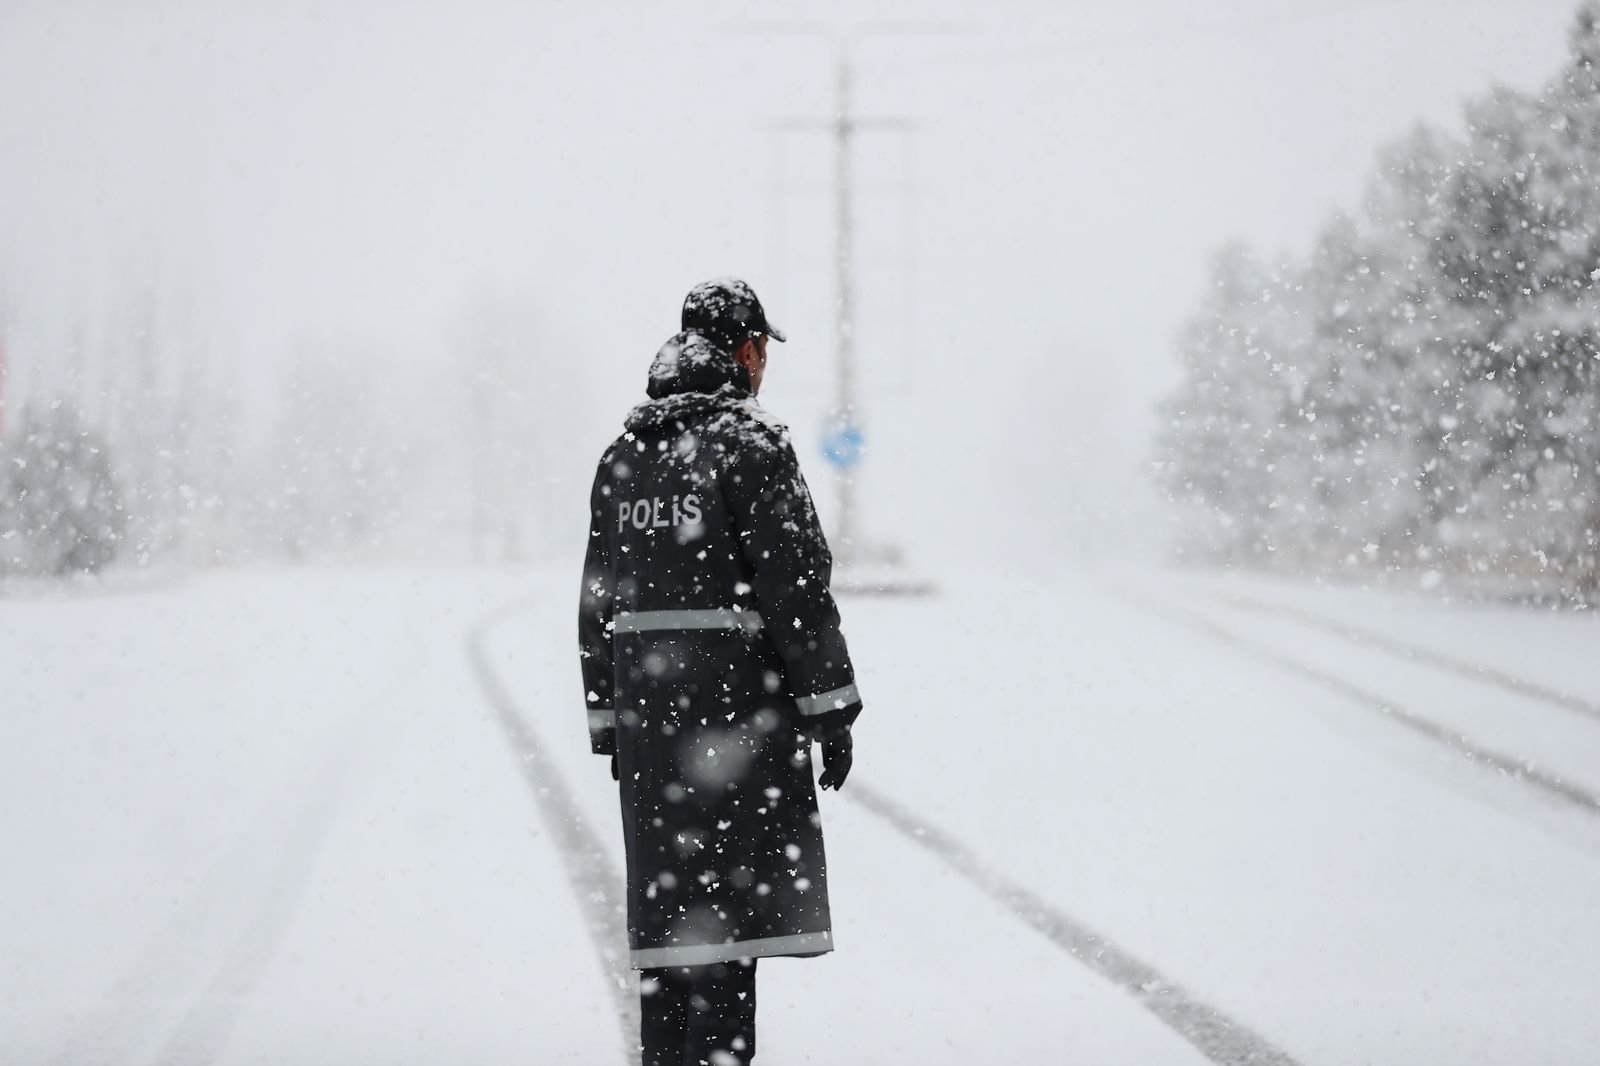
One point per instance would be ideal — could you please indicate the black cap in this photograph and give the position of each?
(726, 309)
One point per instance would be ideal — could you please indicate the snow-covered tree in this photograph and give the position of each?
(1221, 428)
(61, 510)
(1359, 490)
(1426, 387)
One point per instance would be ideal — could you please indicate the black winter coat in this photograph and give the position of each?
(712, 656)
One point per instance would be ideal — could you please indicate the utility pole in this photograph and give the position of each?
(844, 434)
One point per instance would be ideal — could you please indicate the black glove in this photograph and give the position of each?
(837, 755)
(615, 776)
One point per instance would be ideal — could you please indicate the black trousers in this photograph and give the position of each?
(699, 1015)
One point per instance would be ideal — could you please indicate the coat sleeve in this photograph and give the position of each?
(787, 555)
(595, 606)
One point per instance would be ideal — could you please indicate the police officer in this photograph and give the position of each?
(712, 660)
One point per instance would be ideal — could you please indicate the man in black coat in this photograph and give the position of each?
(712, 658)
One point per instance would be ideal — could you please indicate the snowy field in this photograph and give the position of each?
(316, 817)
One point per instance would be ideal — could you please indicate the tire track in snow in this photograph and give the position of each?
(1369, 638)
(1511, 766)
(590, 875)
(1220, 1038)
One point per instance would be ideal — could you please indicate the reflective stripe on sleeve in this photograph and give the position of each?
(602, 718)
(823, 702)
(714, 618)
(706, 954)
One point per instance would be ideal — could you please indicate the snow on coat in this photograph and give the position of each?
(712, 656)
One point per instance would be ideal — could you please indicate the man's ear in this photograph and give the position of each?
(745, 353)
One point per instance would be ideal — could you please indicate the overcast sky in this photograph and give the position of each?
(305, 175)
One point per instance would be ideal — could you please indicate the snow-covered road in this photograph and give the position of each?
(312, 817)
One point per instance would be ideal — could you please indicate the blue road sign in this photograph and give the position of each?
(841, 445)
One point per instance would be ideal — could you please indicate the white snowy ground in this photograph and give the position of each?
(273, 818)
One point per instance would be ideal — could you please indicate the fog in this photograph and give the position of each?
(265, 193)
